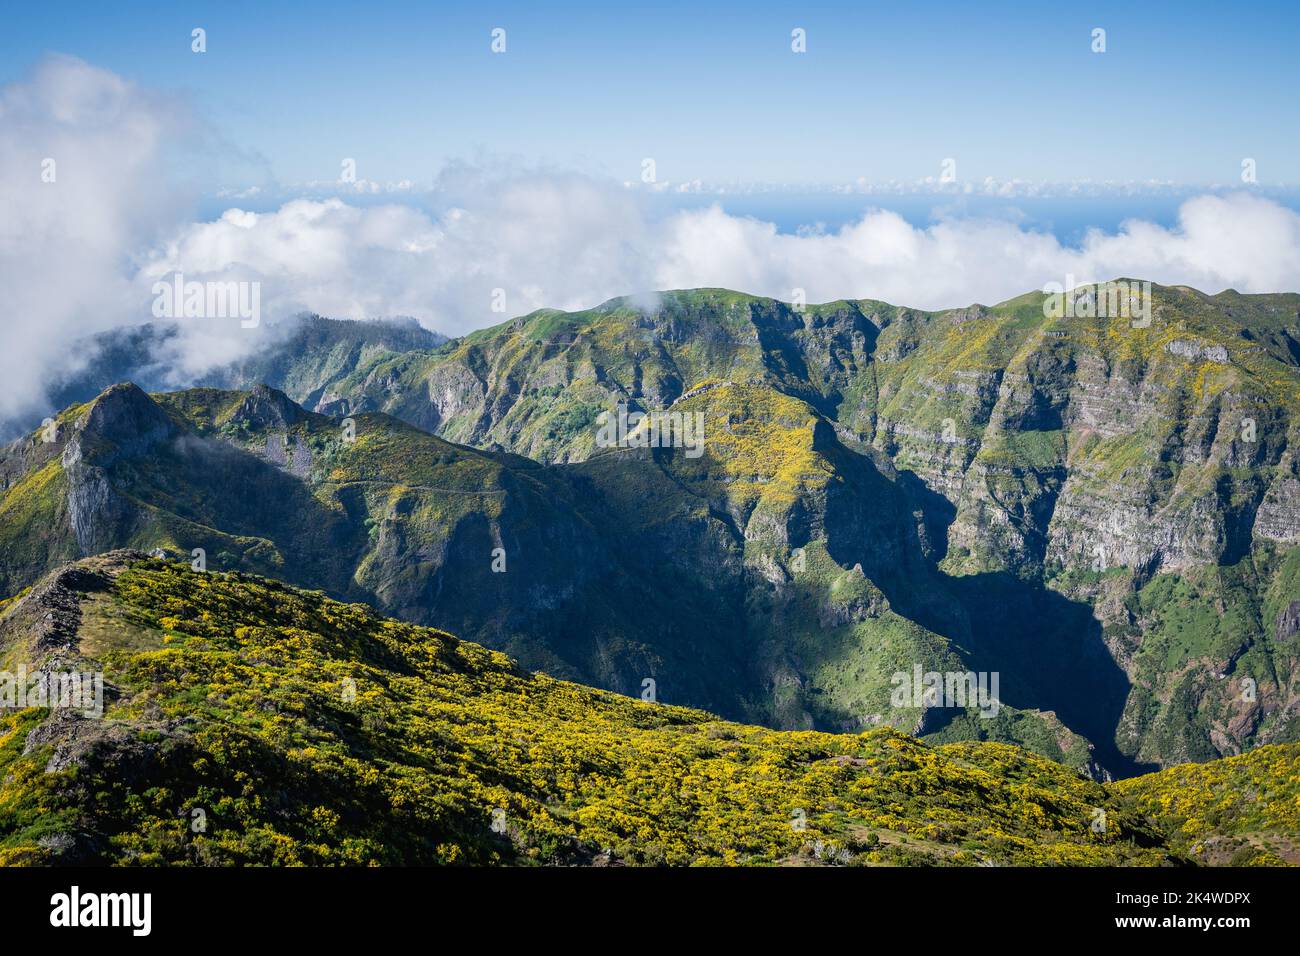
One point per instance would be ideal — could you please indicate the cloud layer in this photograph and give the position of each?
(81, 254)
(81, 190)
(569, 242)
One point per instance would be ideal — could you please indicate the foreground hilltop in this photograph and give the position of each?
(251, 722)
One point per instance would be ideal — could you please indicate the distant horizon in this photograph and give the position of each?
(792, 209)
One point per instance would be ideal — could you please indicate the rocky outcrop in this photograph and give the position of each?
(1288, 622)
(123, 422)
(266, 408)
(1278, 517)
(1197, 350)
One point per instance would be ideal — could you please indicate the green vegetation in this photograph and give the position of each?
(1239, 810)
(297, 729)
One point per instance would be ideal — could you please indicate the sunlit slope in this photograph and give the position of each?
(301, 730)
(1238, 811)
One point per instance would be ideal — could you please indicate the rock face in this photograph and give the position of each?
(93, 509)
(1278, 517)
(1103, 514)
(1288, 622)
(123, 423)
(265, 408)
(1194, 350)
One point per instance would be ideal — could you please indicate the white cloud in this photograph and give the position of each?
(65, 245)
(570, 242)
(547, 240)
(1238, 240)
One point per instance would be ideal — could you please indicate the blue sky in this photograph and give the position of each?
(1183, 92)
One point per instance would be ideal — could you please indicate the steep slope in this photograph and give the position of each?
(248, 722)
(786, 576)
(535, 384)
(372, 510)
(1144, 470)
(1236, 811)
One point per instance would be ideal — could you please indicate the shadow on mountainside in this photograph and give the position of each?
(1050, 654)
(1047, 649)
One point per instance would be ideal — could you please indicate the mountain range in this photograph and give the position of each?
(1104, 514)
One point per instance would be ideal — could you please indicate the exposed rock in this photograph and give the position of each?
(46, 619)
(1288, 622)
(1196, 350)
(267, 408)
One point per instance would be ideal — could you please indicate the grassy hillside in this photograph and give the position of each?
(1236, 811)
(772, 548)
(251, 722)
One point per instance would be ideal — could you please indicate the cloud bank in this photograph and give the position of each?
(81, 254)
(82, 188)
(568, 242)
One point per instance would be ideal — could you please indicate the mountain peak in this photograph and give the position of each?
(124, 415)
(267, 407)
